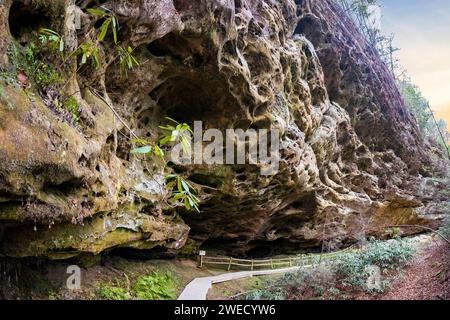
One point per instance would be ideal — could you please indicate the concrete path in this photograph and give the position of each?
(199, 287)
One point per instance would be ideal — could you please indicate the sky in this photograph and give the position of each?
(422, 32)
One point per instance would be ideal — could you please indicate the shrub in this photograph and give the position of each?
(352, 268)
(156, 286)
(387, 254)
(265, 294)
(108, 292)
(445, 228)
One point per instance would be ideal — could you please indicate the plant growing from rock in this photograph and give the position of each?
(110, 22)
(52, 38)
(181, 189)
(126, 59)
(88, 51)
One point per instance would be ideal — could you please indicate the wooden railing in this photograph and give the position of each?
(275, 263)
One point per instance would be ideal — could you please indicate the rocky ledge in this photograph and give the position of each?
(352, 159)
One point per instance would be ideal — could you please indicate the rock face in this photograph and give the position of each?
(352, 158)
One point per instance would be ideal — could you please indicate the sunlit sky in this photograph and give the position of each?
(422, 29)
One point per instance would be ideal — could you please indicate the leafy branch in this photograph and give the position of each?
(52, 38)
(111, 22)
(177, 132)
(183, 192)
(180, 187)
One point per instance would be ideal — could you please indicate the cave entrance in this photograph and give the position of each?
(25, 19)
(197, 97)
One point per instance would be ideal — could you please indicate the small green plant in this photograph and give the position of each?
(110, 22)
(88, 51)
(146, 148)
(29, 65)
(183, 192)
(126, 59)
(110, 292)
(71, 106)
(180, 187)
(178, 132)
(227, 293)
(155, 286)
(333, 291)
(265, 294)
(51, 38)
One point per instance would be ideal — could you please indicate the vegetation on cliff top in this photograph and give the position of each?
(363, 12)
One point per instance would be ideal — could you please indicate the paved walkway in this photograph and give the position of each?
(199, 287)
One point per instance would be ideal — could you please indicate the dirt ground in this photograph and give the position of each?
(426, 278)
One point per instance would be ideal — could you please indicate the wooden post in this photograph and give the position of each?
(252, 264)
(201, 253)
(271, 262)
(290, 262)
(229, 265)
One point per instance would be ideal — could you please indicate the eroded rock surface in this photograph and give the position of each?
(352, 158)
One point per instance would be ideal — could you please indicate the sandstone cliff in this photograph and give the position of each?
(352, 158)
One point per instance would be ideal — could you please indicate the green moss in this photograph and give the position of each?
(71, 106)
(4, 98)
(10, 212)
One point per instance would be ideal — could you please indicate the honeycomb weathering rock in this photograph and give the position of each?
(352, 158)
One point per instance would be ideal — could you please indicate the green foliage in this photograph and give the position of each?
(180, 187)
(109, 292)
(71, 106)
(110, 22)
(348, 270)
(156, 286)
(52, 38)
(88, 51)
(419, 107)
(334, 292)
(182, 192)
(126, 59)
(178, 132)
(385, 254)
(266, 294)
(28, 61)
